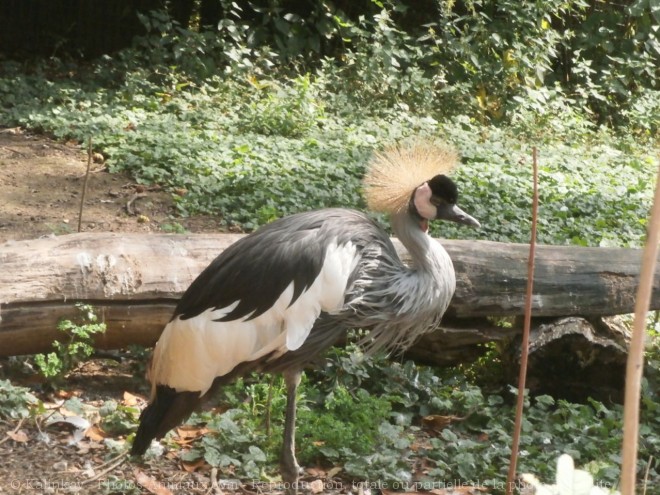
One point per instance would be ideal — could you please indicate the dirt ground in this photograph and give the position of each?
(41, 184)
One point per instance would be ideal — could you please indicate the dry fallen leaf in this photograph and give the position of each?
(191, 467)
(150, 484)
(313, 471)
(316, 486)
(18, 436)
(64, 394)
(130, 399)
(334, 472)
(172, 454)
(420, 444)
(95, 433)
(188, 433)
(83, 448)
(438, 423)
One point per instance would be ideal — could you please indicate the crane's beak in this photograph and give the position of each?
(453, 213)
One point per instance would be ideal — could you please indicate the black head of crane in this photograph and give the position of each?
(285, 293)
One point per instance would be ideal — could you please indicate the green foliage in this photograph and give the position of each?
(497, 50)
(353, 427)
(16, 402)
(236, 440)
(484, 58)
(261, 119)
(289, 111)
(614, 53)
(77, 347)
(118, 419)
(382, 66)
(643, 114)
(594, 193)
(173, 228)
(479, 448)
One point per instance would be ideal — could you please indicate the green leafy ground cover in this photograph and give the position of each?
(253, 151)
(261, 136)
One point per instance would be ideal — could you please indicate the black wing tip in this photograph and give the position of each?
(168, 409)
(142, 440)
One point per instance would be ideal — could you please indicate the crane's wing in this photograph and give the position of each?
(260, 297)
(253, 272)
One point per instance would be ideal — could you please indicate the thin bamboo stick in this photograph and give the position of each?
(84, 191)
(522, 377)
(635, 362)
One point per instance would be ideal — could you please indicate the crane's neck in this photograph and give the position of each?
(416, 296)
(426, 254)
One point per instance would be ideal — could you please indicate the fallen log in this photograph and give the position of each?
(134, 281)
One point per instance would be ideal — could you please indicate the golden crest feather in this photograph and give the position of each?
(395, 173)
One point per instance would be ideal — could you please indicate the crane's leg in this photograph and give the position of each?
(288, 464)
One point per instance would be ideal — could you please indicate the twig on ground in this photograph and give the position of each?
(84, 191)
(215, 487)
(129, 204)
(112, 464)
(101, 466)
(14, 151)
(37, 423)
(646, 474)
(526, 329)
(18, 427)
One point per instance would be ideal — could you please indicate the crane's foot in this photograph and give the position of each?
(290, 471)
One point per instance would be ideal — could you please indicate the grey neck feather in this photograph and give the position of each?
(423, 250)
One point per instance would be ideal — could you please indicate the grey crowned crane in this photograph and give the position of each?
(285, 293)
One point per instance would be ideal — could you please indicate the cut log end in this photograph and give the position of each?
(575, 359)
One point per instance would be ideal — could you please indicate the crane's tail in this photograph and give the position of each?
(167, 410)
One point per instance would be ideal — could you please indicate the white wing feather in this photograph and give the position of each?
(191, 353)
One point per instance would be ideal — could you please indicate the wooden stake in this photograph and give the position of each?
(635, 363)
(84, 191)
(510, 481)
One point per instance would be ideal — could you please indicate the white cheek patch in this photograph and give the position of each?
(422, 201)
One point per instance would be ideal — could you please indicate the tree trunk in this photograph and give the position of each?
(134, 281)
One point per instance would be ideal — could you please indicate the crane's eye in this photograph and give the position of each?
(438, 201)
